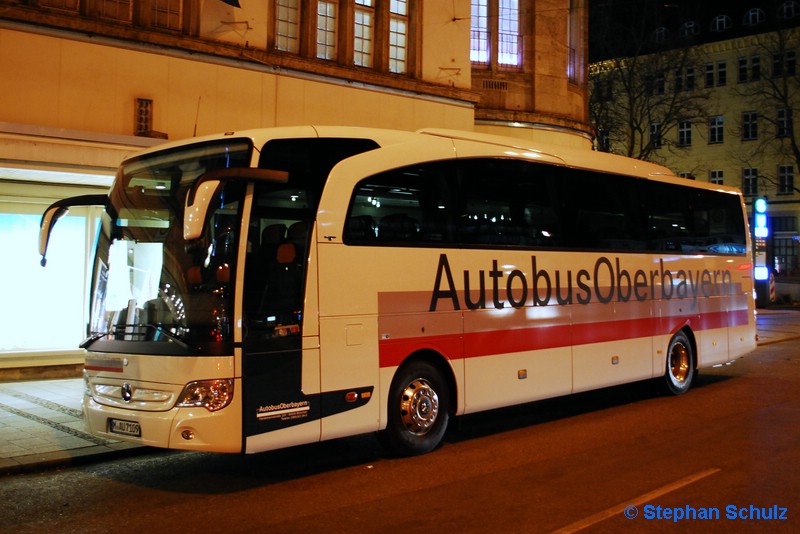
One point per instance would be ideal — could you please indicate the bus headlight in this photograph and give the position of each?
(212, 395)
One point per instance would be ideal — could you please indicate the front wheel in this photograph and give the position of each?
(680, 365)
(419, 410)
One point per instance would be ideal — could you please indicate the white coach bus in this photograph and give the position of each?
(267, 288)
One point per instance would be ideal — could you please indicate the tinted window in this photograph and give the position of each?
(512, 203)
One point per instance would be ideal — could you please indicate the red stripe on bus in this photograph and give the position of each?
(101, 368)
(476, 344)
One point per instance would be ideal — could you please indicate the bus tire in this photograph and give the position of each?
(680, 365)
(419, 410)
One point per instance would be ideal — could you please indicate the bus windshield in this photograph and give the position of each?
(155, 292)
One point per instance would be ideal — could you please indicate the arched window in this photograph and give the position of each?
(721, 23)
(789, 10)
(754, 17)
(661, 35)
(689, 28)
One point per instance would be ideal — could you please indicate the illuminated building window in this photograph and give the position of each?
(398, 35)
(287, 25)
(363, 34)
(479, 32)
(326, 29)
(495, 33)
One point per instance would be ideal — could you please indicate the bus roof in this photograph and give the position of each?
(560, 154)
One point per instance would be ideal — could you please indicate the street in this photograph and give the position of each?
(621, 459)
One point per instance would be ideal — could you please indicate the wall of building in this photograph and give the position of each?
(763, 153)
(71, 80)
(82, 85)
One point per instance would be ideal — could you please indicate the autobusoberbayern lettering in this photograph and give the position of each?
(542, 288)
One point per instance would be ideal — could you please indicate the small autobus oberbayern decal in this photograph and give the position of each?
(285, 411)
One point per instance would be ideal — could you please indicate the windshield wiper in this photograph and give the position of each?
(160, 330)
(86, 343)
(135, 333)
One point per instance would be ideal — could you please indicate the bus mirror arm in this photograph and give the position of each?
(57, 210)
(204, 190)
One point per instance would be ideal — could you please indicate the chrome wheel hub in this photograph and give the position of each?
(679, 364)
(419, 406)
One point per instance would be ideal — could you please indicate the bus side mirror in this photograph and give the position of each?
(49, 218)
(57, 210)
(205, 189)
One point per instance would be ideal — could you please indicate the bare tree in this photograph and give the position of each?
(775, 91)
(637, 103)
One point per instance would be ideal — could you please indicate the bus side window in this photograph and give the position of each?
(406, 207)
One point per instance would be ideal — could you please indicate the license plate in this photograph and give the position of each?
(124, 428)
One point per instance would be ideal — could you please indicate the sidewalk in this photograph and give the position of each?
(41, 426)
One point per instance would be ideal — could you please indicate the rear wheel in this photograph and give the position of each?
(680, 365)
(419, 410)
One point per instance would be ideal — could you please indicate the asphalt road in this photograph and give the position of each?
(581, 463)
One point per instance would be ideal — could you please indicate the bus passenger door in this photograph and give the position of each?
(280, 363)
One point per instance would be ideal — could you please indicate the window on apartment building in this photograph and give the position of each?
(784, 251)
(689, 79)
(716, 176)
(749, 69)
(684, 79)
(716, 129)
(689, 28)
(785, 179)
(495, 30)
(783, 246)
(709, 75)
(398, 35)
(688, 175)
(754, 17)
(287, 25)
(749, 126)
(721, 77)
(655, 135)
(121, 10)
(364, 33)
(661, 34)
(685, 133)
(720, 23)
(783, 124)
(744, 70)
(789, 9)
(327, 11)
(722, 73)
(508, 45)
(784, 64)
(750, 182)
(167, 14)
(479, 32)
(655, 85)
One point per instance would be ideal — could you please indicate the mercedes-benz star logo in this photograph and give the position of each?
(127, 392)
